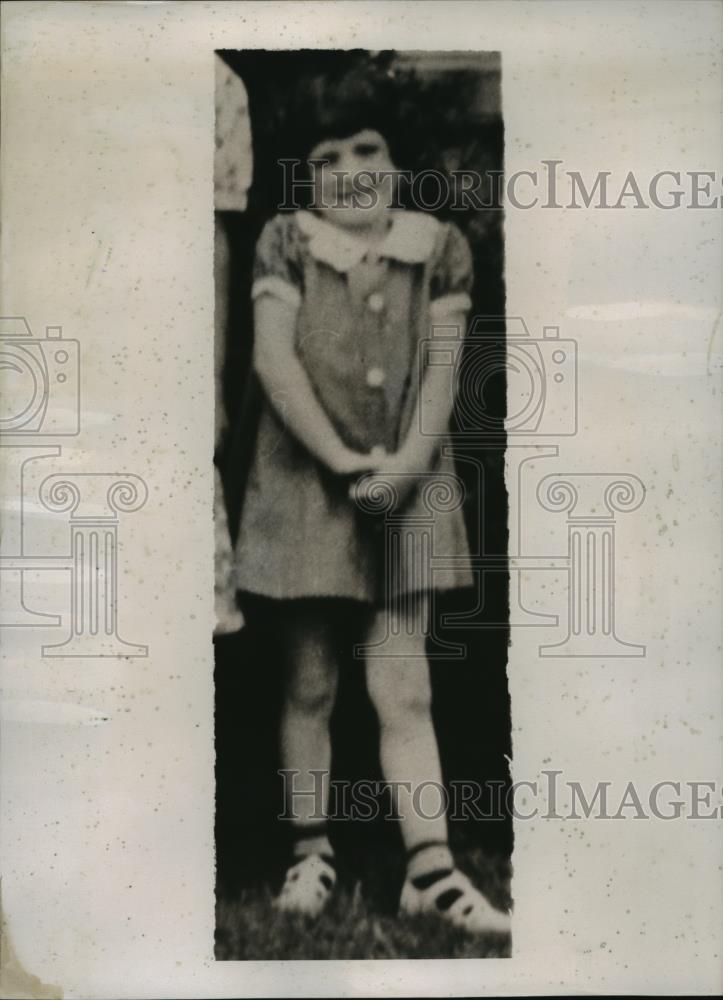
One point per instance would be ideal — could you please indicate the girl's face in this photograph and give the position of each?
(354, 179)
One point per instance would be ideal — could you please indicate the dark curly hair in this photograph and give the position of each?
(356, 91)
(433, 118)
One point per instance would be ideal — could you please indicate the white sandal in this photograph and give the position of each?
(470, 910)
(307, 887)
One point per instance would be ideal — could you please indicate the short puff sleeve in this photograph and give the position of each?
(452, 276)
(277, 262)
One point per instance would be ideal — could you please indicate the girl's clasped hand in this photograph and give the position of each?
(377, 471)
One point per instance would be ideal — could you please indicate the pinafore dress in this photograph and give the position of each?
(360, 336)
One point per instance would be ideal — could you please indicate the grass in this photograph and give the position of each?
(355, 926)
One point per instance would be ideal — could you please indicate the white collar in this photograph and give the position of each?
(410, 239)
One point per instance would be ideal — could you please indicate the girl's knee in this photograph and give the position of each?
(311, 667)
(312, 695)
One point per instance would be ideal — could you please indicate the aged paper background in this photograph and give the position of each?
(107, 768)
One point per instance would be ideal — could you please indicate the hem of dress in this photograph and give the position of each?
(353, 598)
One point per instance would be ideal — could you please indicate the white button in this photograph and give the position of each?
(375, 377)
(375, 302)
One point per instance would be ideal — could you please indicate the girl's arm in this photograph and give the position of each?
(437, 400)
(417, 452)
(290, 391)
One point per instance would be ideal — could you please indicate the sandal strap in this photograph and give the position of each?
(307, 886)
(312, 868)
(455, 897)
(471, 901)
(455, 880)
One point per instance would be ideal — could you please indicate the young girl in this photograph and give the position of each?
(344, 292)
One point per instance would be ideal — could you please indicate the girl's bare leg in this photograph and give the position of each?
(399, 686)
(400, 689)
(310, 690)
(309, 695)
